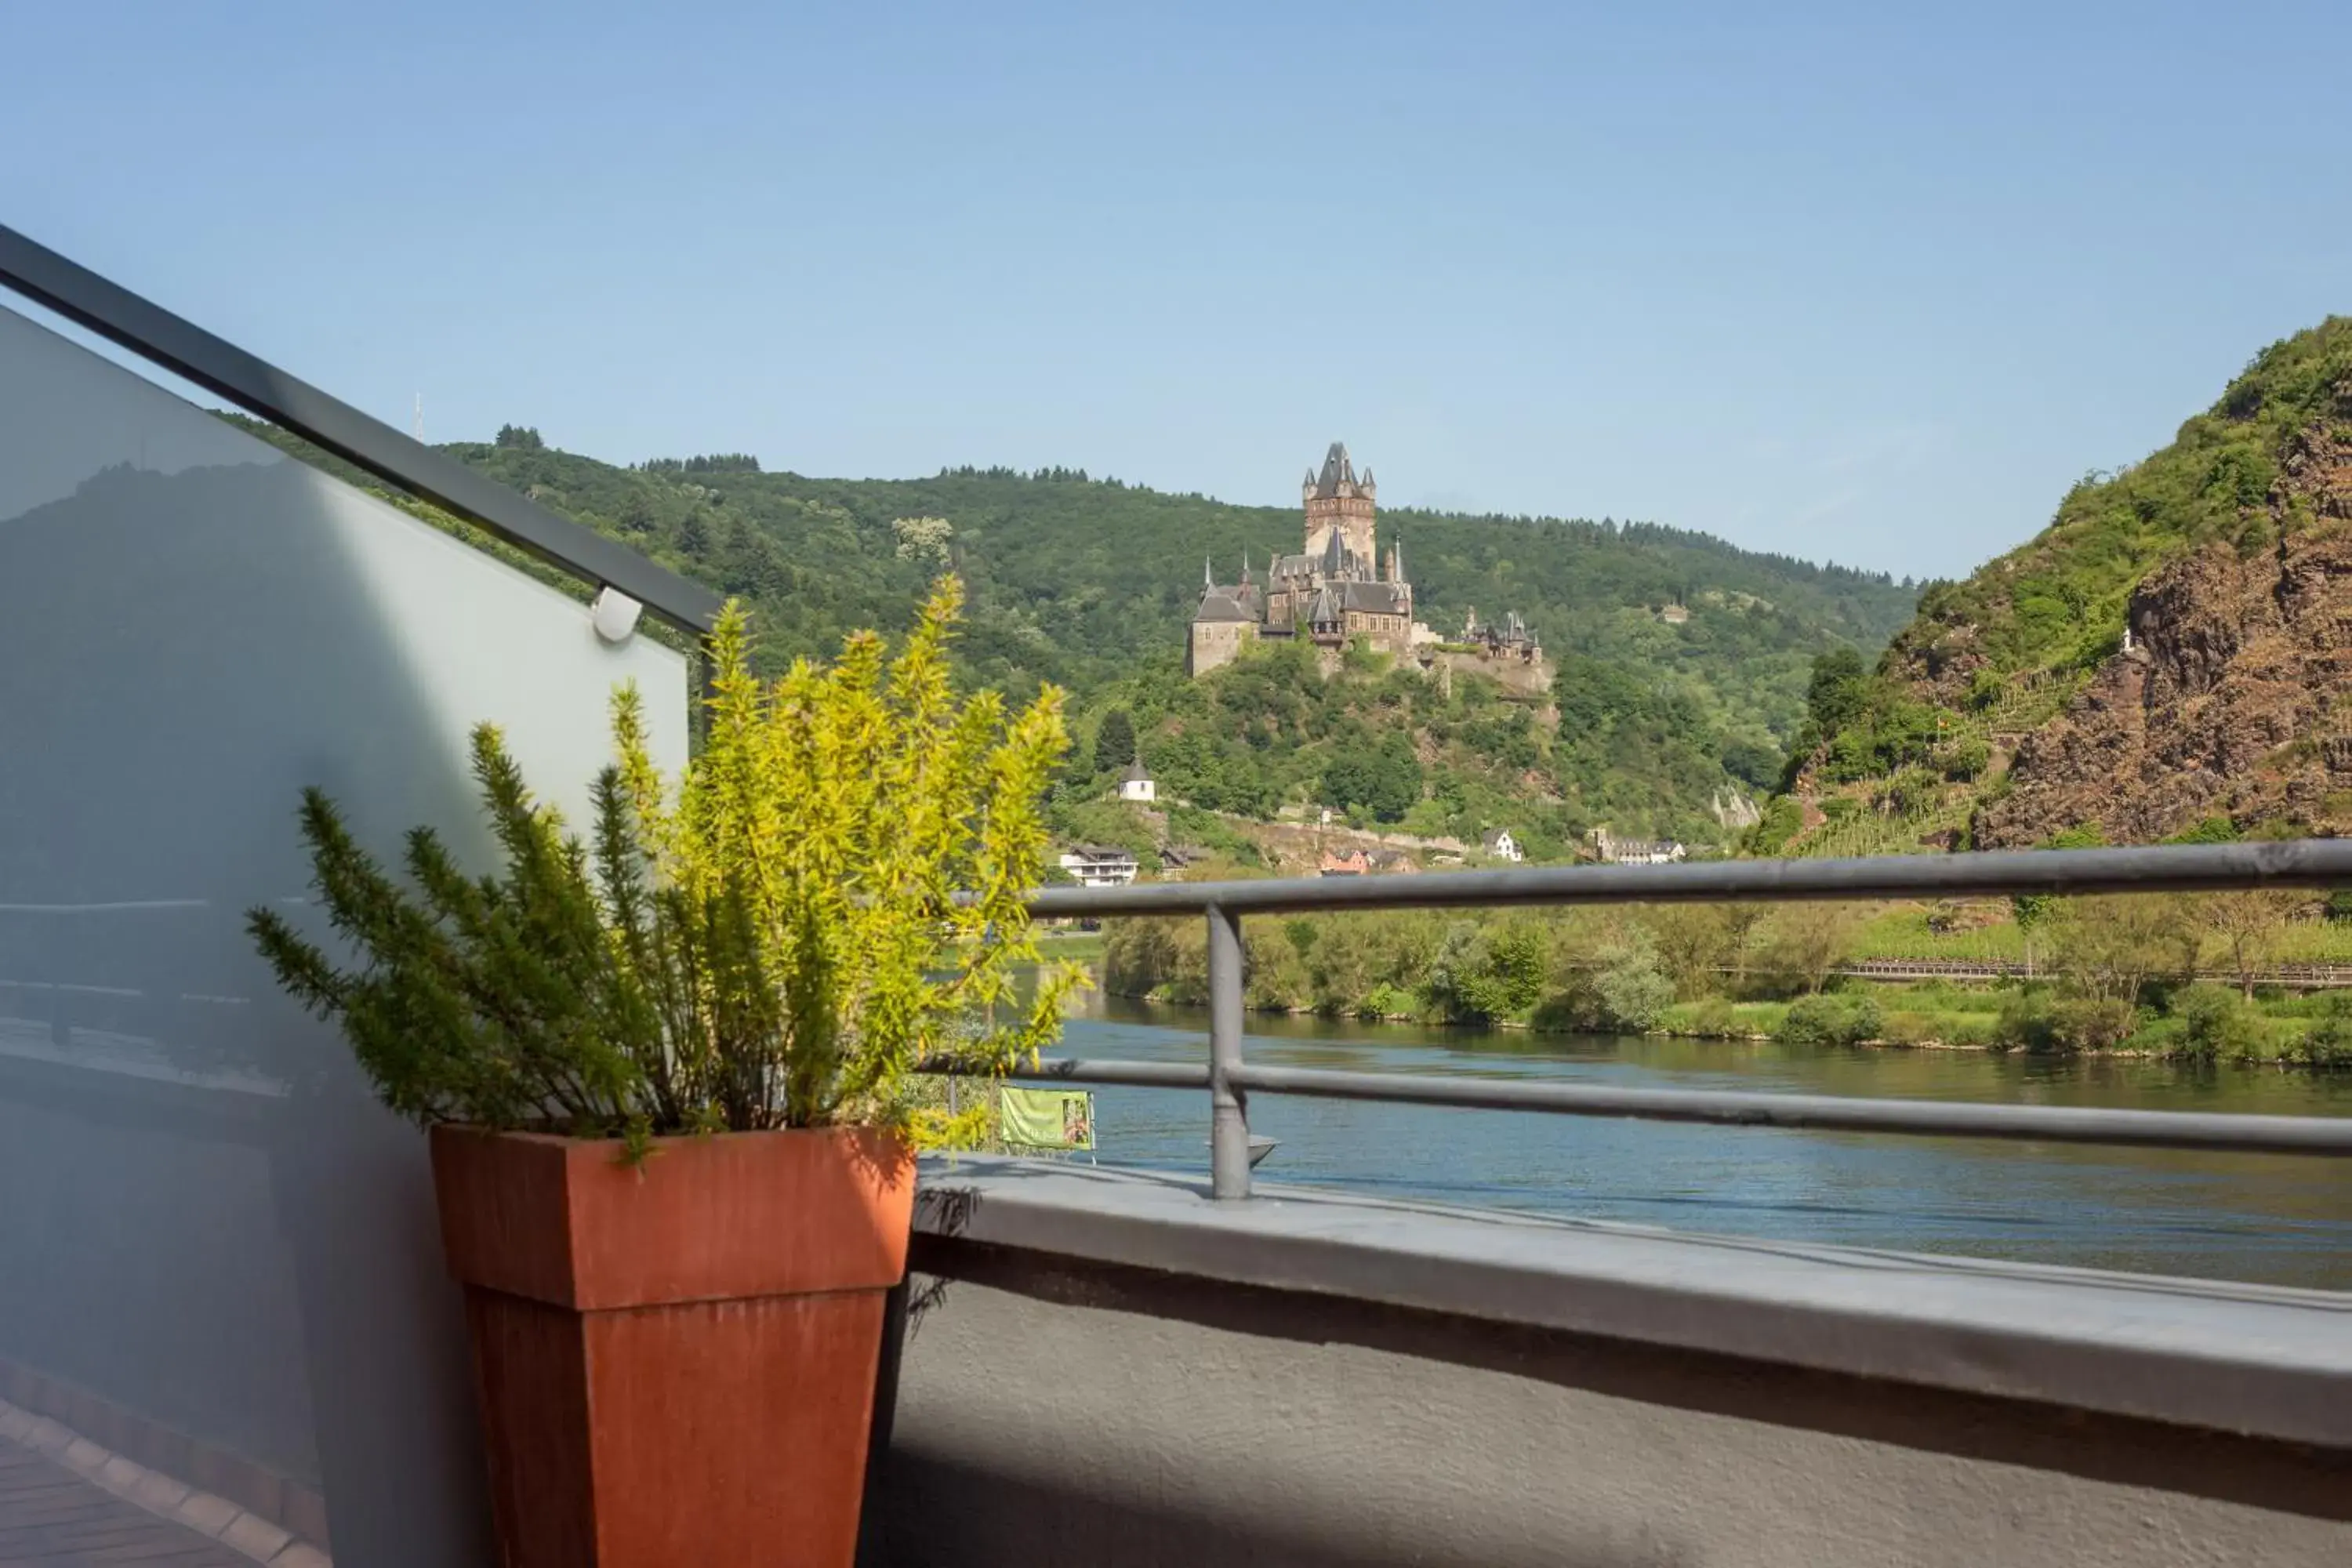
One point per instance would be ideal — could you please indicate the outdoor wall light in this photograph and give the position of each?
(616, 614)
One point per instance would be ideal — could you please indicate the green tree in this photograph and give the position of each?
(2109, 949)
(1630, 988)
(1809, 941)
(1115, 740)
(1382, 778)
(2251, 923)
(1694, 942)
(2033, 911)
(1838, 693)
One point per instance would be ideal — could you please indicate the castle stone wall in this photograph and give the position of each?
(1216, 643)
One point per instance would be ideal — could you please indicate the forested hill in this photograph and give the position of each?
(1091, 582)
(1081, 581)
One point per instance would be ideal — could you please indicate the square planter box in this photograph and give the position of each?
(676, 1360)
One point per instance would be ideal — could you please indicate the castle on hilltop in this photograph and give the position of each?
(1336, 590)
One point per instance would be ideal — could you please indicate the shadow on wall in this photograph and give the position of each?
(1044, 1409)
(210, 1224)
(1064, 1524)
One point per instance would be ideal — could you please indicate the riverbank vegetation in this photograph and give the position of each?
(2183, 978)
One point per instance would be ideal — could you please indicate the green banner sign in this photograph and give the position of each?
(1049, 1118)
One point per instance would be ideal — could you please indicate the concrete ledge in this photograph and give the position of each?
(2260, 1362)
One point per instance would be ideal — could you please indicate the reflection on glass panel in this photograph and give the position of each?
(221, 1259)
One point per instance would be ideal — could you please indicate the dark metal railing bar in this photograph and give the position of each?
(2248, 1133)
(1066, 1069)
(2233, 1132)
(2168, 869)
(1229, 1162)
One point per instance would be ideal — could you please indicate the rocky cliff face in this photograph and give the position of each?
(2007, 714)
(2233, 700)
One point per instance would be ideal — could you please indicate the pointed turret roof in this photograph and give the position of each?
(1336, 471)
(1135, 774)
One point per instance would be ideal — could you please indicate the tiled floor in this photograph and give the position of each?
(52, 1518)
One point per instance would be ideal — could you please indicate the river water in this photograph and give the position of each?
(2233, 1216)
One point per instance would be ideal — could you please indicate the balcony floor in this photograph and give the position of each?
(52, 1518)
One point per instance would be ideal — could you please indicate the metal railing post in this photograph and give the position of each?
(1229, 1164)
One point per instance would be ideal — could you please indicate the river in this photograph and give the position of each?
(2233, 1216)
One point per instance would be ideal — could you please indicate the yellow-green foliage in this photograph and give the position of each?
(834, 890)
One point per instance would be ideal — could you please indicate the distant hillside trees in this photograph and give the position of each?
(1089, 583)
(1381, 778)
(1115, 741)
(923, 538)
(709, 463)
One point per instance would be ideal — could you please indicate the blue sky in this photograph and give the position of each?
(1872, 283)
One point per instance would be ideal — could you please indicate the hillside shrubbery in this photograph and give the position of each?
(1390, 747)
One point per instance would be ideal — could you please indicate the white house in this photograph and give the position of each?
(1501, 845)
(1138, 784)
(1619, 851)
(1098, 866)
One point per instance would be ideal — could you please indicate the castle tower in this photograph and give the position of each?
(1339, 502)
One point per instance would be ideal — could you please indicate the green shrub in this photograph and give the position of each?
(2024, 1023)
(1274, 978)
(1485, 973)
(1161, 956)
(2032, 1020)
(1712, 1018)
(2328, 1047)
(1964, 760)
(1968, 1030)
(2216, 1023)
(1631, 987)
(769, 941)
(2083, 1024)
(1908, 1029)
(1783, 820)
(1626, 991)
(1387, 1000)
(1829, 1020)
(1911, 790)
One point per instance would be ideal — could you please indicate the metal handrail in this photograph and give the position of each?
(2164, 868)
(261, 389)
(2204, 867)
(2240, 1133)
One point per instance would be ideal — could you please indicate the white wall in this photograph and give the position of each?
(207, 1220)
